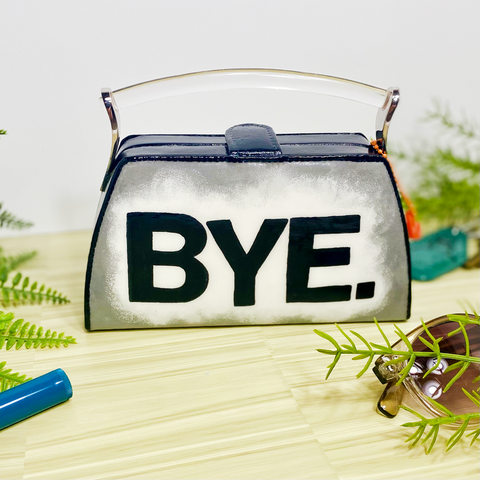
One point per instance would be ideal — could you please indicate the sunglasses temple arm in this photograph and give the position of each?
(389, 403)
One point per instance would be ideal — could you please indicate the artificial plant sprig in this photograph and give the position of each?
(19, 333)
(446, 193)
(18, 293)
(9, 220)
(408, 358)
(12, 262)
(398, 356)
(14, 293)
(442, 114)
(448, 419)
(464, 319)
(8, 379)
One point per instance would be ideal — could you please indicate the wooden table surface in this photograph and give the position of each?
(212, 403)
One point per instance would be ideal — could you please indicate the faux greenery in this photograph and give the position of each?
(19, 333)
(370, 350)
(9, 379)
(373, 349)
(9, 220)
(16, 290)
(447, 192)
(10, 263)
(448, 419)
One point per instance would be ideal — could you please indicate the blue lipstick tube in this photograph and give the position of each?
(34, 396)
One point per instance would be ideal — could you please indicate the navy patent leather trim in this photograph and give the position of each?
(252, 140)
(216, 145)
(133, 141)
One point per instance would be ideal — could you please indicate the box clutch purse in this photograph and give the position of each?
(249, 227)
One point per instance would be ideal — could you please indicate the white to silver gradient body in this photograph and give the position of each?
(247, 193)
(228, 79)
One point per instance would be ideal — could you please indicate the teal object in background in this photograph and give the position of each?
(438, 253)
(33, 397)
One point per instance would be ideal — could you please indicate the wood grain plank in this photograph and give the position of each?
(227, 402)
(359, 443)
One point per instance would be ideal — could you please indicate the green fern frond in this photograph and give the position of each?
(20, 294)
(13, 262)
(9, 379)
(406, 358)
(434, 425)
(463, 319)
(9, 220)
(446, 192)
(443, 115)
(19, 333)
(427, 429)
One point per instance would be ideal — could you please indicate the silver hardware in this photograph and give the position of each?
(384, 116)
(114, 117)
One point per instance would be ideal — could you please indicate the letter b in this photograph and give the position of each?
(142, 257)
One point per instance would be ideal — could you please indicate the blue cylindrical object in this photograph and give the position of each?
(33, 397)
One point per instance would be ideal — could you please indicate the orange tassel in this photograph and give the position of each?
(413, 227)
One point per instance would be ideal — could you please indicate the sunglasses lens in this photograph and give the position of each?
(434, 384)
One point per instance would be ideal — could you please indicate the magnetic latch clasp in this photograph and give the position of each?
(252, 140)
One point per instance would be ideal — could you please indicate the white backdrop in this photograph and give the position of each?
(57, 55)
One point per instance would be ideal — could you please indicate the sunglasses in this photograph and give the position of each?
(432, 378)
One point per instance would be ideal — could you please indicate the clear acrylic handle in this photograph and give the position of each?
(212, 80)
(252, 78)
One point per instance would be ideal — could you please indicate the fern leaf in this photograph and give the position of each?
(9, 379)
(9, 220)
(19, 333)
(5, 318)
(13, 262)
(443, 115)
(18, 293)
